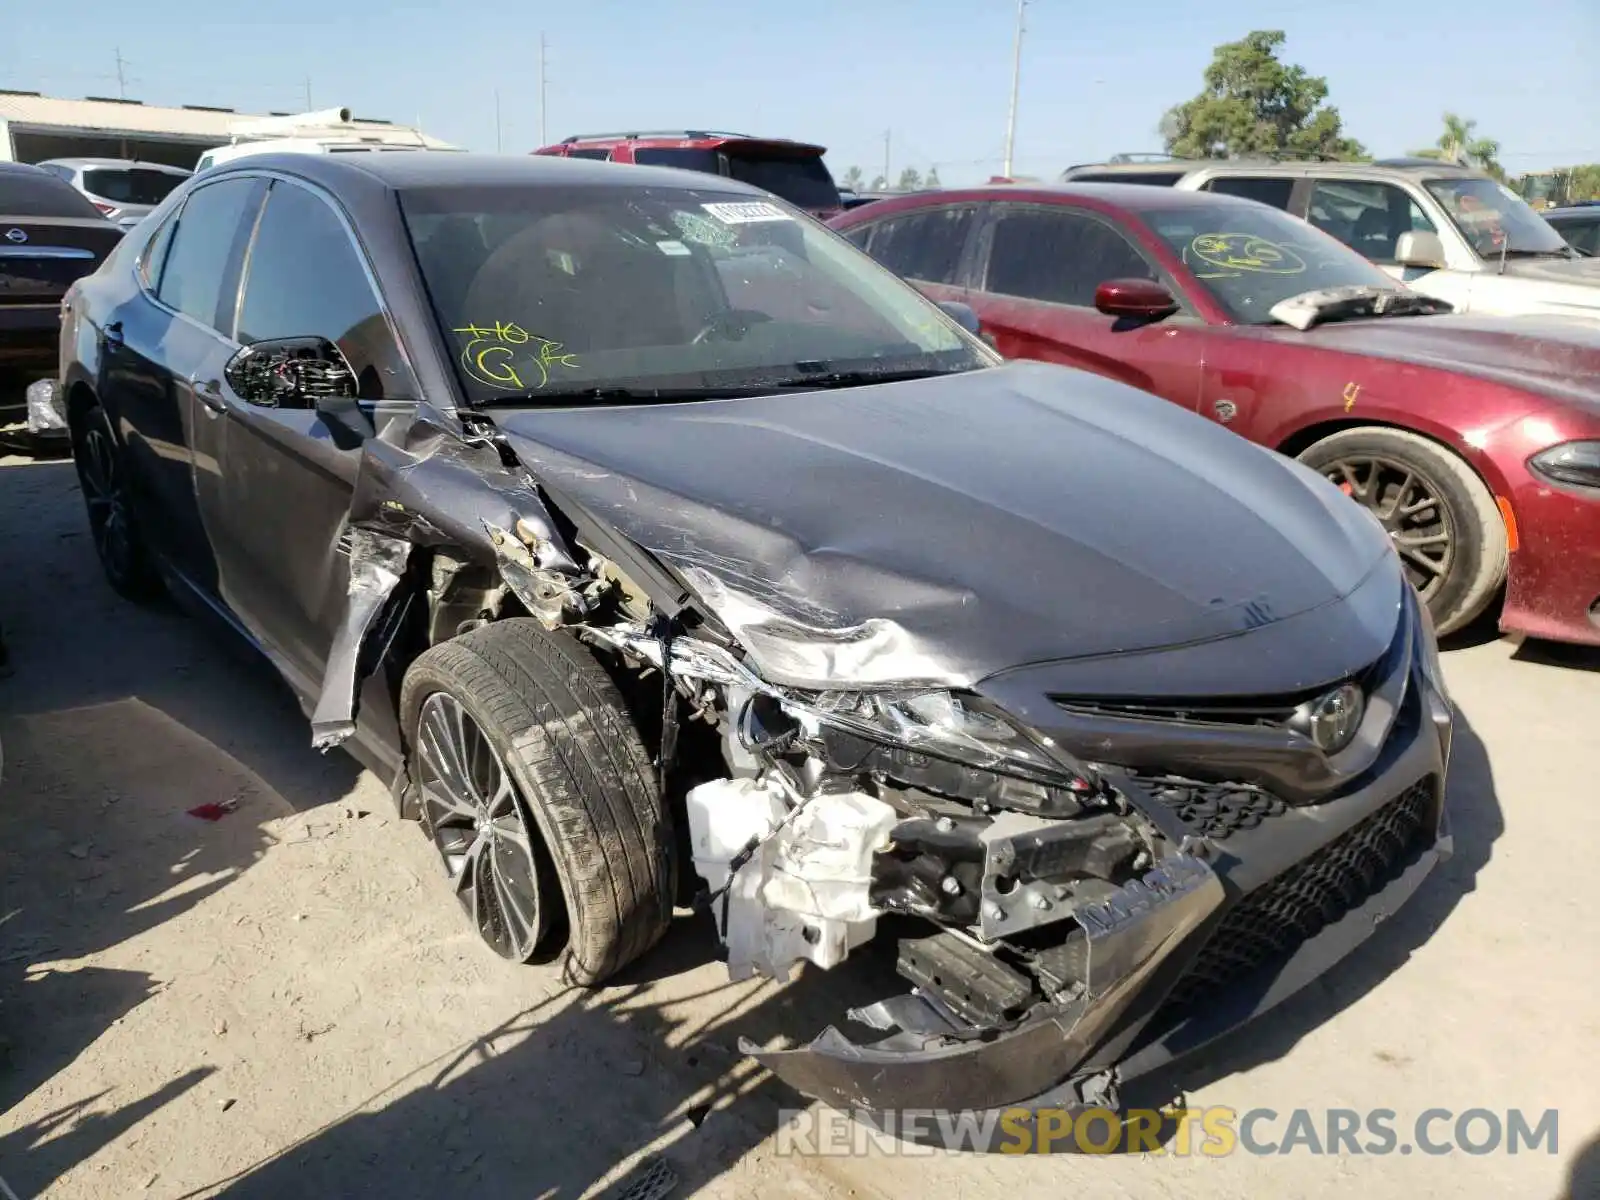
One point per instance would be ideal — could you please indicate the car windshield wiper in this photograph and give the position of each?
(1518, 252)
(1343, 303)
(848, 379)
(557, 398)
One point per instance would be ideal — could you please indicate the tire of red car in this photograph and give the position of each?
(1479, 553)
(562, 731)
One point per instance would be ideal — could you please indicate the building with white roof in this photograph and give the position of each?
(34, 127)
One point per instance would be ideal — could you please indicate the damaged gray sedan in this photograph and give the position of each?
(660, 548)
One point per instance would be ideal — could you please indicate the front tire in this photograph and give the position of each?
(1442, 519)
(540, 796)
(124, 557)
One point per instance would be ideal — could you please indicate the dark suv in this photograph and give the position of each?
(792, 171)
(50, 235)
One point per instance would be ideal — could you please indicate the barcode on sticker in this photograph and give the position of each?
(746, 214)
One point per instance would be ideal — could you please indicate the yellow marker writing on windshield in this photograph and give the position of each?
(492, 353)
(1246, 252)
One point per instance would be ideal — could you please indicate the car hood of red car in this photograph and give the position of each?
(1555, 356)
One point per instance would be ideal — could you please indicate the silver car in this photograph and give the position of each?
(124, 190)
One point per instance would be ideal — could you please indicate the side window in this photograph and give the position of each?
(601, 155)
(305, 278)
(1367, 217)
(205, 233)
(155, 253)
(1584, 235)
(1058, 255)
(859, 236)
(1275, 192)
(924, 245)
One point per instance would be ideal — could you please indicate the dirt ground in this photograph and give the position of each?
(287, 1002)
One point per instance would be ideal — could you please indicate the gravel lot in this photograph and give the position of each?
(286, 1001)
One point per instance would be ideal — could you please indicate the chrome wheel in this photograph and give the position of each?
(1408, 505)
(482, 829)
(101, 480)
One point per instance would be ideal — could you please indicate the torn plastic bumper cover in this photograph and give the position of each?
(931, 1064)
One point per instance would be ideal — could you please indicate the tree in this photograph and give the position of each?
(910, 180)
(931, 179)
(1584, 182)
(852, 180)
(1457, 144)
(1252, 103)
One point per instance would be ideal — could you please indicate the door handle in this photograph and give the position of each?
(113, 335)
(209, 393)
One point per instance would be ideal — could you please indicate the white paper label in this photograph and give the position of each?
(748, 213)
(676, 249)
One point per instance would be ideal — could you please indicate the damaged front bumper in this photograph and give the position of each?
(1164, 956)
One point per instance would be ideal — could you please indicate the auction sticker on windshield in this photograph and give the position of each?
(1245, 252)
(748, 213)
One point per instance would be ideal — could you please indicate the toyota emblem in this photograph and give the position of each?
(16, 235)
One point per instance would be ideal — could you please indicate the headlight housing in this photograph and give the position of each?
(945, 742)
(1575, 464)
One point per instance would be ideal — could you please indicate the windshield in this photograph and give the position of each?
(1494, 218)
(133, 186)
(561, 290)
(1249, 257)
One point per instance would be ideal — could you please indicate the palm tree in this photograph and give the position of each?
(1457, 144)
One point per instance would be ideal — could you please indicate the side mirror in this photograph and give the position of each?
(296, 372)
(1419, 248)
(962, 315)
(1141, 299)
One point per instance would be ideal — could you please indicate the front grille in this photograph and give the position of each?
(1272, 922)
(1213, 810)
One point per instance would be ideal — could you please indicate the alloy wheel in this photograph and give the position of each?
(1408, 505)
(101, 481)
(481, 827)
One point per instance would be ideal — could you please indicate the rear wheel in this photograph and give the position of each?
(1440, 516)
(540, 797)
(102, 477)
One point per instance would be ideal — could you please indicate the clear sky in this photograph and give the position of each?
(935, 73)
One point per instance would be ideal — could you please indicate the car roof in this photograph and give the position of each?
(1132, 197)
(16, 168)
(684, 139)
(117, 162)
(1585, 208)
(1407, 168)
(416, 169)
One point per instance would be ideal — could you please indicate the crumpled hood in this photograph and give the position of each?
(941, 530)
(1553, 355)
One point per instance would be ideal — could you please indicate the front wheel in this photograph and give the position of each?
(540, 797)
(1441, 518)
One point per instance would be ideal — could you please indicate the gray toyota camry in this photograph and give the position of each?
(665, 552)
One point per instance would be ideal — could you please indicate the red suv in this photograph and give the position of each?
(1475, 441)
(792, 171)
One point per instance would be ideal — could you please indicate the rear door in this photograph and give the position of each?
(1038, 267)
(274, 484)
(153, 345)
(930, 247)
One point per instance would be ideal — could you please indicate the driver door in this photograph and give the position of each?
(275, 483)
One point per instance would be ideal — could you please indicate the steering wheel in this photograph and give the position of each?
(729, 326)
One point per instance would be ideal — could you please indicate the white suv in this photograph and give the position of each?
(1444, 230)
(331, 131)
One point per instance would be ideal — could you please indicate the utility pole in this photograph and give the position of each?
(1016, 82)
(544, 136)
(122, 79)
(308, 93)
(887, 182)
(497, 121)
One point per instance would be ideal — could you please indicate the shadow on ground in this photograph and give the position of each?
(115, 721)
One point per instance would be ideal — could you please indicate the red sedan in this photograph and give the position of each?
(1475, 441)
